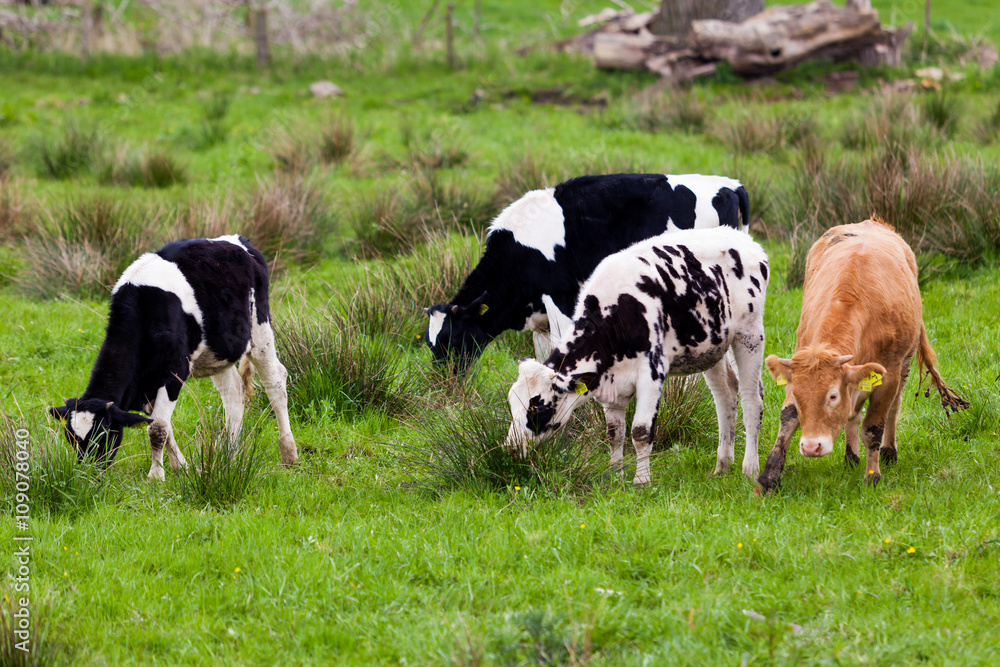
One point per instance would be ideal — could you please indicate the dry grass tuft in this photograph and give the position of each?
(130, 168)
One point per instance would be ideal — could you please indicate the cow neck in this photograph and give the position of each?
(113, 375)
(506, 294)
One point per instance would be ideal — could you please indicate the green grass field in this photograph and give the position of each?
(356, 556)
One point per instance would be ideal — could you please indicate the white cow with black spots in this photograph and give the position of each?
(670, 305)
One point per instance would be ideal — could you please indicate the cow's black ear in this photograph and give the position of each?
(588, 380)
(127, 419)
(479, 306)
(59, 411)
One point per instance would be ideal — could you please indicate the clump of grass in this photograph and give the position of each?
(292, 153)
(453, 203)
(528, 172)
(387, 222)
(335, 368)
(213, 129)
(463, 446)
(987, 130)
(433, 150)
(541, 638)
(8, 156)
(57, 484)
(12, 213)
(890, 119)
(83, 248)
(129, 168)
(752, 133)
(686, 414)
(942, 111)
(66, 153)
(336, 141)
(43, 641)
(681, 111)
(220, 473)
(287, 218)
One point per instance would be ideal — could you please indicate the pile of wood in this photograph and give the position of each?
(774, 40)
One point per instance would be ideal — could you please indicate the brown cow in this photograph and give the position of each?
(860, 304)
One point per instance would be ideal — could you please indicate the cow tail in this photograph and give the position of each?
(246, 374)
(926, 358)
(743, 200)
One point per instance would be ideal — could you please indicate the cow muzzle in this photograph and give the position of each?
(815, 446)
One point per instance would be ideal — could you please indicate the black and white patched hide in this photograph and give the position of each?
(671, 305)
(189, 309)
(549, 241)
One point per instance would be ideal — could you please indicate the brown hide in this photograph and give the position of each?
(861, 312)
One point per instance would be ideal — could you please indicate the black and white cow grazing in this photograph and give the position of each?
(193, 308)
(549, 241)
(670, 305)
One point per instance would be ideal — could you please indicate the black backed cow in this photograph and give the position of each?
(670, 305)
(549, 241)
(193, 308)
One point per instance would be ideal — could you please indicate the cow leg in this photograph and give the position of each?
(647, 401)
(888, 450)
(231, 388)
(721, 380)
(161, 435)
(852, 454)
(614, 415)
(873, 428)
(749, 353)
(273, 374)
(771, 476)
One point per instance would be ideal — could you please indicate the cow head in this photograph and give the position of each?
(94, 426)
(541, 401)
(825, 389)
(456, 333)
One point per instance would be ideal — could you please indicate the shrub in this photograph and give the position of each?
(463, 446)
(67, 153)
(219, 472)
(338, 369)
(89, 244)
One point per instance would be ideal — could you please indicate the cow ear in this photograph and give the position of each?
(479, 306)
(781, 369)
(584, 382)
(871, 372)
(59, 411)
(127, 419)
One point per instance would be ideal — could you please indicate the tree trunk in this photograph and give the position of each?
(676, 15)
(260, 38)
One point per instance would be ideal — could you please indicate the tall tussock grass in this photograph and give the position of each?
(66, 152)
(220, 473)
(127, 167)
(335, 368)
(12, 211)
(658, 111)
(940, 203)
(890, 119)
(57, 484)
(462, 446)
(45, 645)
(84, 247)
(8, 156)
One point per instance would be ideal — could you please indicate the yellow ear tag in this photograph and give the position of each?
(580, 388)
(483, 308)
(875, 379)
(865, 385)
(781, 380)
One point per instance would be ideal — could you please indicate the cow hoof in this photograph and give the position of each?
(722, 467)
(640, 481)
(888, 455)
(751, 471)
(157, 474)
(873, 478)
(851, 459)
(768, 483)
